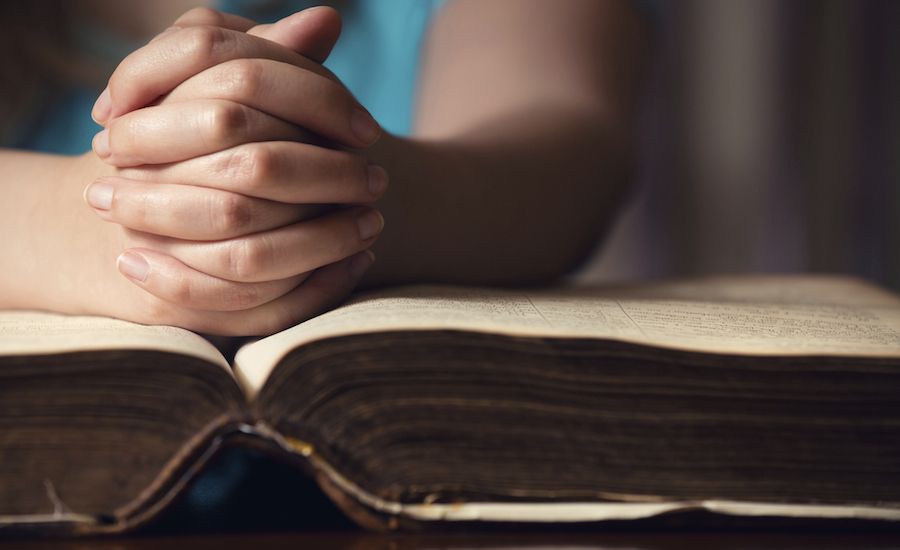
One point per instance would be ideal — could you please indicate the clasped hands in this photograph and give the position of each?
(239, 176)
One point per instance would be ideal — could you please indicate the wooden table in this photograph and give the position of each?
(278, 507)
(575, 541)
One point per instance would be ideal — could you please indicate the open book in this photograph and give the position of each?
(776, 396)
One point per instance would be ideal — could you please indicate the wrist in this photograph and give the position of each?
(70, 241)
(81, 170)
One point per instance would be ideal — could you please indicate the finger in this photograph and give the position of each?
(167, 31)
(324, 289)
(170, 133)
(167, 278)
(189, 212)
(279, 253)
(307, 99)
(206, 16)
(312, 32)
(203, 15)
(160, 66)
(194, 17)
(280, 171)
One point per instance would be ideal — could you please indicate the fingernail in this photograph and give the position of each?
(370, 224)
(378, 180)
(364, 127)
(361, 263)
(102, 107)
(101, 144)
(99, 195)
(133, 265)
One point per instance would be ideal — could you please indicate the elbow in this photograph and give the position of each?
(573, 228)
(563, 241)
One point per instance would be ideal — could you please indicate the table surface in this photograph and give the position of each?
(506, 541)
(275, 506)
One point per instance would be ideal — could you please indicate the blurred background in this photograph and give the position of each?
(770, 143)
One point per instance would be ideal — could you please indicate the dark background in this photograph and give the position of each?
(770, 143)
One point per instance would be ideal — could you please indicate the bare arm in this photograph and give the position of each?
(52, 248)
(522, 146)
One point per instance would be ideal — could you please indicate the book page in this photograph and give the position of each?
(39, 333)
(785, 315)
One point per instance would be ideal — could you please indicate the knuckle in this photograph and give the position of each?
(201, 15)
(202, 43)
(182, 292)
(231, 213)
(261, 165)
(247, 258)
(250, 166)
(225, 120)
(242, 78)
(234, 164)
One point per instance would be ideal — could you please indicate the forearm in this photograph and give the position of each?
(517, 200)
(40, 241)
(522, 145)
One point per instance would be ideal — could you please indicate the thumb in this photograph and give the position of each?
(312, 32)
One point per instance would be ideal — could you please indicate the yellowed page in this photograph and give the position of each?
(38, 333)
(785, 315)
